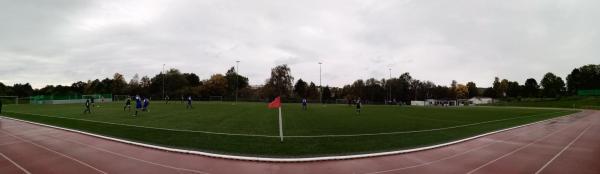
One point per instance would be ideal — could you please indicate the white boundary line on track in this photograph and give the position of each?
(518, 149)
(452, 156)
(14, 163)
(132, 158)
(265, 159)
(61, 154)
(300, 136)
(563, 150)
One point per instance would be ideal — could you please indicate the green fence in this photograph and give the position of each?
(591, 92)
(41, 98)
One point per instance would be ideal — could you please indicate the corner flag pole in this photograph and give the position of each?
(280, 125)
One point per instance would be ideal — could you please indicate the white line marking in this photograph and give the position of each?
(518, 149)
(452, 156)
(302, 136)
(61, 154)
(19, 166)
(250, 158)
(565, 148)
(129, 157)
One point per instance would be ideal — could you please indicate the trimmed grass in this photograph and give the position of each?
(256, 119)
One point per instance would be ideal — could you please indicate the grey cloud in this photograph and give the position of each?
(59, 42)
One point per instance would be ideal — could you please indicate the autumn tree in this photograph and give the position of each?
(300, 88)
(461, 91)
(472, 88)
(553, 86)
(531, 88)
(280, 82)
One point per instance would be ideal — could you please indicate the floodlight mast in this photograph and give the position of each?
(237, 75)
(390, 86)
(320, 85)
(163, 82)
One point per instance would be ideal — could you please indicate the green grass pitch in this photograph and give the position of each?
(172, 125)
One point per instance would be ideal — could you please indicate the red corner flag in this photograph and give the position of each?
(275, 103)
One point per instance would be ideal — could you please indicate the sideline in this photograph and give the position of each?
(265, 159)
(300, 136)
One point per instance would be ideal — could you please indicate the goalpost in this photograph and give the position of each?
(215, 98)
(9, 99)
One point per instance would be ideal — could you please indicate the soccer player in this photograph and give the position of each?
(127, 104)
(92, 100)
(138, 104)
(146, 103)
(358, 105)
(87, 107)
(101, 100)
(167, 99)
(304, 103)
(189, 103)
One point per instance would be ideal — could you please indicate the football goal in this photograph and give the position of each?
(9, 99)
(98, 98)
(120, 97)
(215, 98)
(341, 101)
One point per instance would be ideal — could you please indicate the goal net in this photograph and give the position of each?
(215, 98)
(98, 98)
(120, 97)
(341, 101)
(9, 100)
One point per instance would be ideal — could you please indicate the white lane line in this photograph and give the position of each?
(435, 161)
(14, 163)
(452, 156)
(61, 154)
(133, 158)
(518, 149)
(565, 148)
(304, 136)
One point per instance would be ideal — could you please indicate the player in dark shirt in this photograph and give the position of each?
(127, 104)
(189, 103)
(358, 105)
(87, 107)
(304, 104)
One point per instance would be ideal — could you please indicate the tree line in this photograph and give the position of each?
(403, 88)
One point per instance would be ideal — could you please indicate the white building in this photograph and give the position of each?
(481, 100)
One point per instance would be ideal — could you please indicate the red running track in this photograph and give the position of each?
(562, 145)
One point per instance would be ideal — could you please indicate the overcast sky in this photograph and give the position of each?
(63, 41)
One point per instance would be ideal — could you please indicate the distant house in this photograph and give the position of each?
(453, 102)
(481, 100)
(433, 102)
